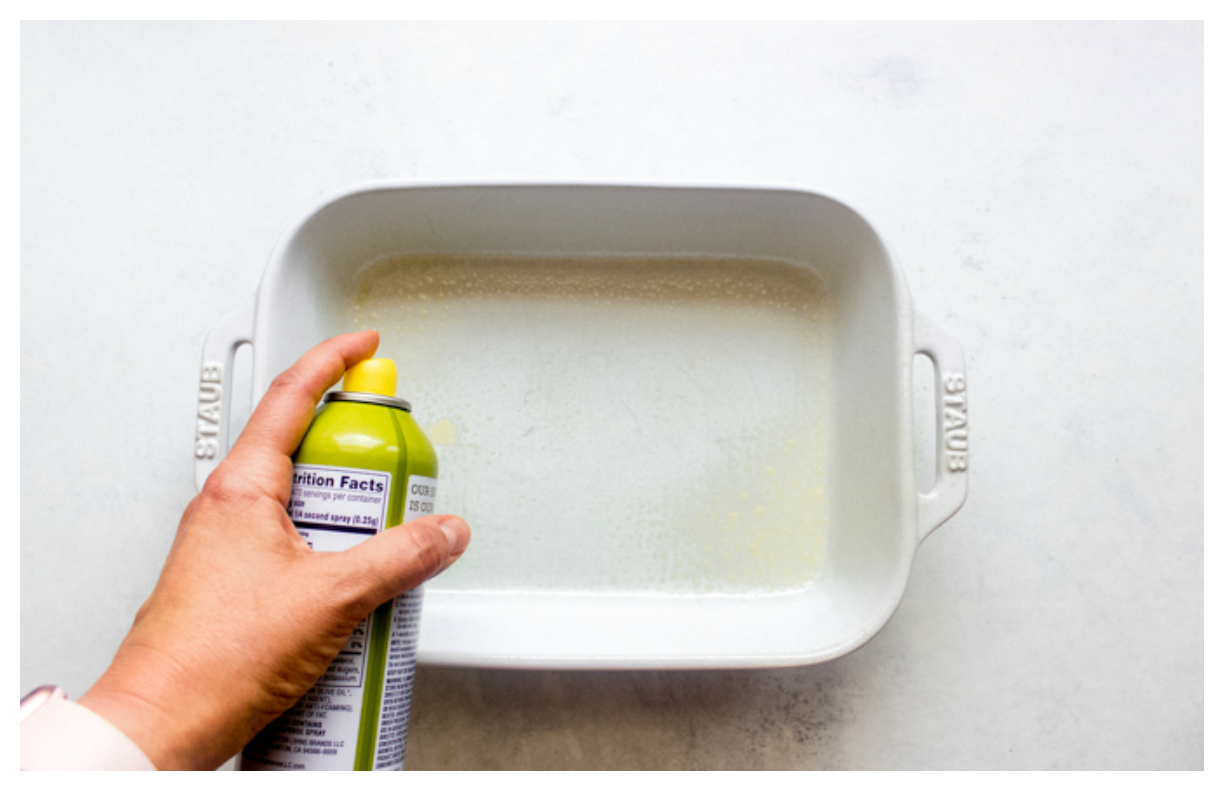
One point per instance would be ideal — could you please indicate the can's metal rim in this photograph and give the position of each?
(369, 398)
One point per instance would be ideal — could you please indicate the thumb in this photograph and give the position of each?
(399, 558)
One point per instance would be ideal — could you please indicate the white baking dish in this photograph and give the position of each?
(645, 385)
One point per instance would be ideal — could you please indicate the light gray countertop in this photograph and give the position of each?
(1041, 184)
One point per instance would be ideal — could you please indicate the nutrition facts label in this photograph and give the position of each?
(339, 499)
(335, 508)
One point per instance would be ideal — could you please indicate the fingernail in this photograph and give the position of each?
(450, 528)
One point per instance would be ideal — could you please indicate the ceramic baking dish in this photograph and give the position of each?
(678, 418)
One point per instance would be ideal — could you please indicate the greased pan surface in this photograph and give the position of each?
(678, 418)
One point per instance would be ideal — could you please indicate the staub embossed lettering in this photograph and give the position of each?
(208, 413)
(956, 423)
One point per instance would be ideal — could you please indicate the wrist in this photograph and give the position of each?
(148, 706)
(138, 719)
(57, 734)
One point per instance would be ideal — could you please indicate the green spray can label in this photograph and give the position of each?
(363, 466)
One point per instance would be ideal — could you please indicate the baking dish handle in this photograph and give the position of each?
(212, 439)
(951, 425)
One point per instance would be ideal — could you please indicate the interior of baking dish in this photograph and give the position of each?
(677, 419)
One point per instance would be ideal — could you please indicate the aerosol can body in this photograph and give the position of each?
(363, 466)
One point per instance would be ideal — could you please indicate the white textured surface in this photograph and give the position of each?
(1041, 184)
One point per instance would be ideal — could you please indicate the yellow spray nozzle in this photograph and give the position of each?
(377, 376)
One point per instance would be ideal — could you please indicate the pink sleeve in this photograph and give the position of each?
(60, 735)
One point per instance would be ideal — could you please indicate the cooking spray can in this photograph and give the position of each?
(363, 466)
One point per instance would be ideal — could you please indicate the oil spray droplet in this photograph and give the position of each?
(442, 433)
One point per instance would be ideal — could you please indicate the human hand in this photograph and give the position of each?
(245, 617)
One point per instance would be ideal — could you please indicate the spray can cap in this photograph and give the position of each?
(377, 376)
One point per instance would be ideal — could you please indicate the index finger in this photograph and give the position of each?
(285, 411)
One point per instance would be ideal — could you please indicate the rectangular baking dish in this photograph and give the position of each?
(677, 417)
